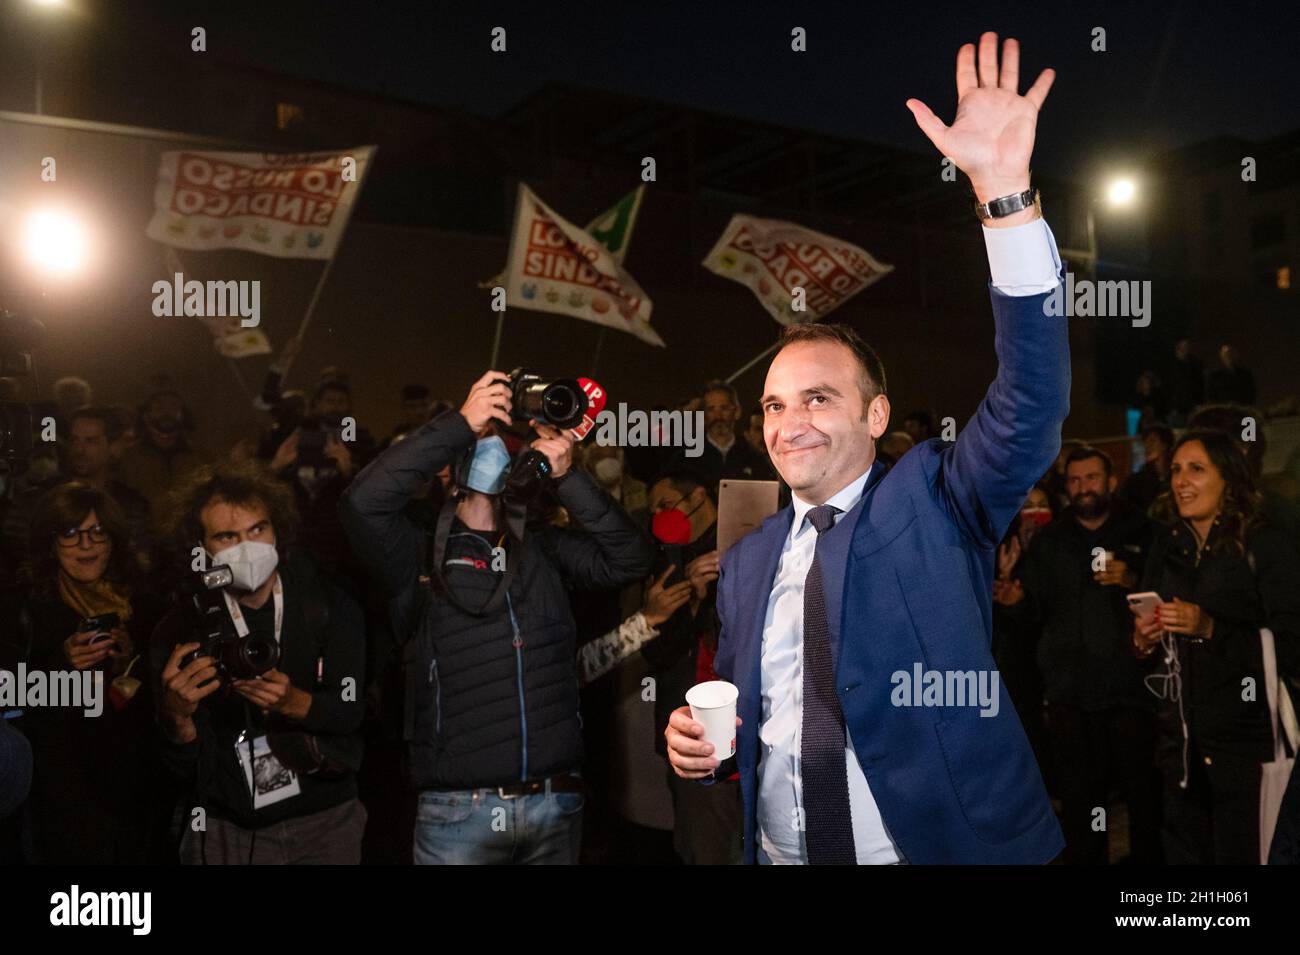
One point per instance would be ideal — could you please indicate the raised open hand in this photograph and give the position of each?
(992, 137)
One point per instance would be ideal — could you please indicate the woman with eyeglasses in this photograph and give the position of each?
(1221, 573)
(98, 793)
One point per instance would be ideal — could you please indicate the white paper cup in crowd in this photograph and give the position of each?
(714, 705)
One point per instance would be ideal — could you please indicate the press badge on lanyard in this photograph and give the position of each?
(267, 779)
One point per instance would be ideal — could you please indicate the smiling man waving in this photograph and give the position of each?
(870, 573)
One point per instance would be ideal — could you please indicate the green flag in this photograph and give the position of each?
(612, 229)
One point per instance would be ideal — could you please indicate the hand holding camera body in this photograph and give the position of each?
(552, 406)
(234, 657)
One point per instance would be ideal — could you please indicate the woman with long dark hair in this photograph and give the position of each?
(1222, 574)
(96, 795)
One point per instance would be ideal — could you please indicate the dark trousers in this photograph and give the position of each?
(1092, 748)
(1215, 820)
(329, 837)
(707, 821)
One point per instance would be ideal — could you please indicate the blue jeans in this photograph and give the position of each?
(479, 827)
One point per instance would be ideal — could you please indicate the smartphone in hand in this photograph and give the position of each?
(1144, 605)
(100, 626)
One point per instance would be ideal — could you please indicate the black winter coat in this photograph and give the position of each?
(491, 699)
(1084, 654)
(323, 632)
(1211, 713)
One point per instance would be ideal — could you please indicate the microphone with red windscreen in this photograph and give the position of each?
(596, 399)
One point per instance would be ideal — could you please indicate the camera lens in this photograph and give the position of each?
(256, 655)
(563, 404)
(559, 402)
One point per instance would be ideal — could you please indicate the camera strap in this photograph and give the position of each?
(237, 615)
(514, 513)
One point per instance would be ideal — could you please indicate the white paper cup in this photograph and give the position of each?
(714, 705)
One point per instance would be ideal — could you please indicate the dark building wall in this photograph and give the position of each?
(1217, 243)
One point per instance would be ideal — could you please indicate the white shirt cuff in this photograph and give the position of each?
(1023, 259)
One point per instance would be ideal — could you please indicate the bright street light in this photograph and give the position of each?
(56, 242)
(1121, 192)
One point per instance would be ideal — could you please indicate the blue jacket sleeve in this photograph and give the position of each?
(1015, 435)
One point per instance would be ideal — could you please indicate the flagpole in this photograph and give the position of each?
(329, 264)
(752, 362)
(510, 251)
(315, 297)
(171, 259)
(496, 340)
(624, 238)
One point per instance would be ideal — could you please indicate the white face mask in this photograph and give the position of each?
(251, 563)
(608, 470)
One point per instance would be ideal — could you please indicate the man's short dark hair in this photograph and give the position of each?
(1086, 452)
(872, 379)
(1163, 431)
(240, 484)
(106, 416)
(160, 393)
(332, 384)
(717, 384)
(682, 480)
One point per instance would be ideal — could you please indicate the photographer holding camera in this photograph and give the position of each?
(492, 689)
(261, 713)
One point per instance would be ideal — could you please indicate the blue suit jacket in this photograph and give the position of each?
(911, 568)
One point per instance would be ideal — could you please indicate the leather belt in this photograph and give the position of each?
(555, 784)
(533, 787)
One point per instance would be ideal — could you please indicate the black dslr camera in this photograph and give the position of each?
(235, 657)
(560, 402)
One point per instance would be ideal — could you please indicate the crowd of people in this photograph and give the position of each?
(375, 682)
(1173, 710)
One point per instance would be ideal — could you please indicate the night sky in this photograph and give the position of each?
(1172, 74)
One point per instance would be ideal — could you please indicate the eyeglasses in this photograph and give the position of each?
(668, 505)
(71, 537)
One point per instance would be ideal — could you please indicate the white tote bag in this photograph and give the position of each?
(1275, 775)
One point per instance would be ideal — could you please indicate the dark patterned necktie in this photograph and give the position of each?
(828, 823)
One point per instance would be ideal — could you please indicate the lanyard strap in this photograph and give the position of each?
(237, 615)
